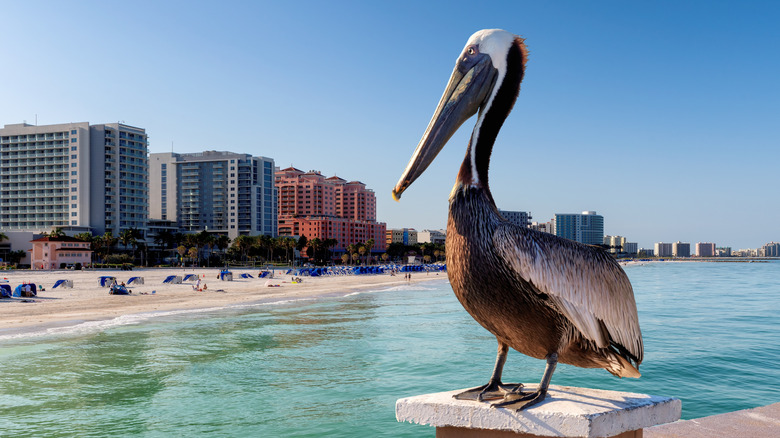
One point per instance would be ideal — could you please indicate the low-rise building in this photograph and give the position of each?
(406, 236)
(432, 236)
(59, 252)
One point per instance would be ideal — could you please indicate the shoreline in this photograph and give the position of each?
(57, 310)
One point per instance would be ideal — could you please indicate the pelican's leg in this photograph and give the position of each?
(521, 400)
(494, 389)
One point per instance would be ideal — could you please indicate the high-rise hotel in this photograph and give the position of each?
(214, 191)
(314, 206)
(75, 176)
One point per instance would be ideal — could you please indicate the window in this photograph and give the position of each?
(72, 140)
(74, 164)
(73, 157)
(73, 132)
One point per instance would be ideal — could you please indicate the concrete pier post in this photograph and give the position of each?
(566, 412)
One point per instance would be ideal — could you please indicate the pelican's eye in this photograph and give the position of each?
(471, 51)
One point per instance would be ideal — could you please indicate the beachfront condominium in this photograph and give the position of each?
(663, 249)
(587, 227)
(680, 249)
(704, 249)
(314, 206)
(218, 192)
(74, 176)
(619, 244)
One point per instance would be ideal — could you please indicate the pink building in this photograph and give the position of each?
(52, 252)
(314, 206)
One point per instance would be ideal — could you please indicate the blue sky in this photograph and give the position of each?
(662, 116)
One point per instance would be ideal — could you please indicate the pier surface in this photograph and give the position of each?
(566, 412)
(761, 422)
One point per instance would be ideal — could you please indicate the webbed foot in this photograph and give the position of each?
(490, 391)
(521, 400)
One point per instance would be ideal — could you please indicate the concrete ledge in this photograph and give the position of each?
(566, 412)
(761, 422)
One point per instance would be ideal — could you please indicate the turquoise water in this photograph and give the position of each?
(334, 366)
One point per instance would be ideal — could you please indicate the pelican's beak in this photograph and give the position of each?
(468, 89)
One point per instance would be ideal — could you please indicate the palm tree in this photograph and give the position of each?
(127, 238)
(290, 245)
(3, 236)
(362, 250)
(57, 232)
(315, 244)
(181, 249)
(242, 244)
(267, 244)
(107, 243)
(222, 242)
(328, 244)
(369, 244)
(352, 249)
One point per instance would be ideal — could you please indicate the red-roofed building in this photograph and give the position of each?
(51, 252)
(328, 208)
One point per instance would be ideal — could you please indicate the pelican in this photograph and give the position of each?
(547, 297)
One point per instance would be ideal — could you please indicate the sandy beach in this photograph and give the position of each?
(88, 301)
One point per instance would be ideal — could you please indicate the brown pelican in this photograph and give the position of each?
(545, 296)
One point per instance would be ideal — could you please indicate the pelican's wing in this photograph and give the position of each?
(584, 282)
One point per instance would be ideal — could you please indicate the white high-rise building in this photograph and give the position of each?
(75, 176)
(219, 192)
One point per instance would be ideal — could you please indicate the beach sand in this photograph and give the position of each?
(88, 301)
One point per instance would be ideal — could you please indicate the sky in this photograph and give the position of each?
(662, 116)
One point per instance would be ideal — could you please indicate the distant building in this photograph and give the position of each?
(680, 249)
(57, 252)
(219, 192)
(431, 236)
(645, 252)
(587, 227)
(615, 244)
(620, 245)
(771, 249)
(519, 218)
(705, 249)
(314, 206)
(663, 249)
(545, 227)
(723, 251)
(406, 236)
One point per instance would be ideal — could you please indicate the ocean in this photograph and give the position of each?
(335, 365)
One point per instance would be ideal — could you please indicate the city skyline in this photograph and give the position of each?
(661, 117)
